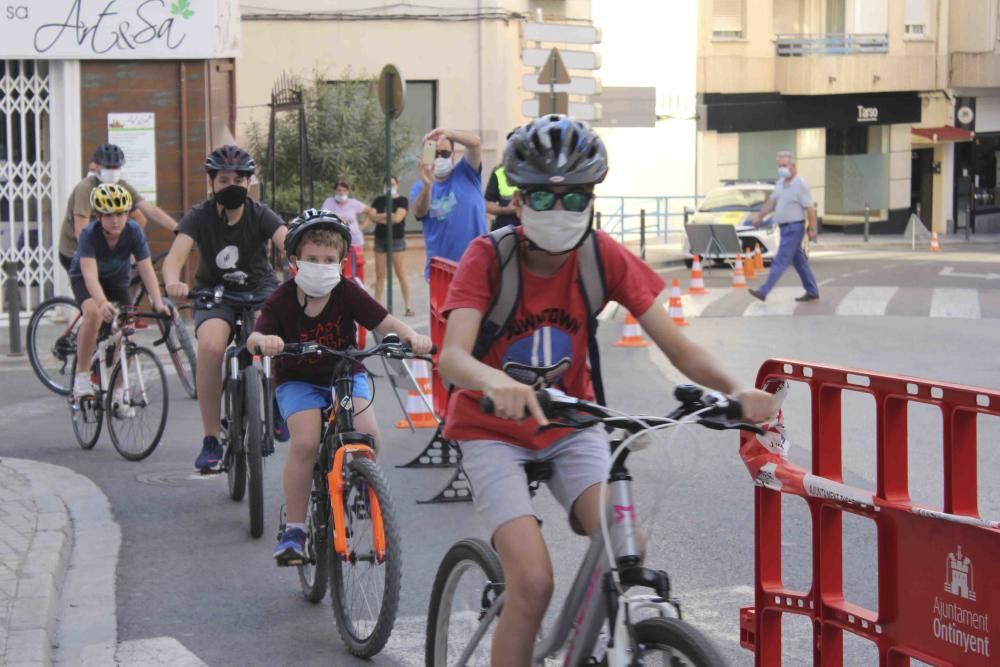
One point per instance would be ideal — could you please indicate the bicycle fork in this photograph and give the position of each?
(335, 482)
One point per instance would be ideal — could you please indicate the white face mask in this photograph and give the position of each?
(340, 198)
(317, 279)
(442, 167)
(395, 192)
(557, 230)
(784, 172)
(110, 175)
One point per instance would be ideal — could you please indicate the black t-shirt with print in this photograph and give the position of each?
(232, 255)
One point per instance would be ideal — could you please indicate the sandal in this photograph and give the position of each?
(409, 313)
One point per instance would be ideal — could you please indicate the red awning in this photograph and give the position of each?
(942, 133)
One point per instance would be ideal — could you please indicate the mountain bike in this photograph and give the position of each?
(53, 328)
(246, 407)
(353, 533)
(598, 623)
(136, 405)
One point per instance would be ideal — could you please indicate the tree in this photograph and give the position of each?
(345, 131)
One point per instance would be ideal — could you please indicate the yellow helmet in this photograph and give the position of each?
(110, 198)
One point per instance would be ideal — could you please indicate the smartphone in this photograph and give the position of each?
(430, 152)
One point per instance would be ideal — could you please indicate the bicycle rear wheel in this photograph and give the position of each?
(254, 427)
(136, 423)
(182, 353)
(315, 574)
(87, 414)
(364, 587)
(674, 643)
(51, 342)
(468, 582)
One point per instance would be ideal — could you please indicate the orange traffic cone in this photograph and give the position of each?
(676, 309)
(739, 278)
(758, 258)
(631, 334)
(935, 247)
(697, 285)
(750, 267)
(416, 408)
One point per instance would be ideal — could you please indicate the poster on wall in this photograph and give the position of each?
(135, 134)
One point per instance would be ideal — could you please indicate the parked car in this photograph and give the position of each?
(735, 203)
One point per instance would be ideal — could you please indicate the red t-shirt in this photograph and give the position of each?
(281, 315)
(548, 330)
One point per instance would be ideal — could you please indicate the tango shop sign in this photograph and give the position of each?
(108, 29)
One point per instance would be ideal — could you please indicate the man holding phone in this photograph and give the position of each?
(448, 199)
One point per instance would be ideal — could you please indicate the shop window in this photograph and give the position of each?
(916, 20)
(727, 19)
(847, 140)
(758, 151)
(857, 173)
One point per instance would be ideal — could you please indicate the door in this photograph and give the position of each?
(922, 185)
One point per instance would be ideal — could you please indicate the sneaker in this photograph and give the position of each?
(118, 407)
(291, 547)
(280, 428)
(807, 297)
(211, 454)
(83, 387)
(757, 294)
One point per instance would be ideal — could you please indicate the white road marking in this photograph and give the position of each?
(866, 301)
(950, 272)
(780, 301)
(695, 304)
(157, 651)
(955, 302)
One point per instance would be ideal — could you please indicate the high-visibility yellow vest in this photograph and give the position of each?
(506, 189)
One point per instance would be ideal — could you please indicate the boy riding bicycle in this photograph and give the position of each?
(100, 273)
(555, 162)
(317, 306)
(231, 232)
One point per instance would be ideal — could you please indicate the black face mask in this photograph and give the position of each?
(231, 197)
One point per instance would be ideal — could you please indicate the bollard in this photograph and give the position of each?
(867, 215)
(12, 299)
(642, 234)
(597, 220)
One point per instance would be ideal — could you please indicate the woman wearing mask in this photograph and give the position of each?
(399, 207)
(354, 213)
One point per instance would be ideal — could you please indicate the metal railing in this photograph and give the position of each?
(622, 217)
(831, 44)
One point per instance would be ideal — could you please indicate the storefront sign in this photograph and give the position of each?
(759, 112)
(135, 134)
(116, 29)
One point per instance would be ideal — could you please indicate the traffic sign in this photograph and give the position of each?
(552, 103)
(553, 71)
(578, 110)
(391, 91)
(571, 59)
(560, 32)
(579, 85)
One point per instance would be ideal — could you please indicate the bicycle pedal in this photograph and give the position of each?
(294, 562)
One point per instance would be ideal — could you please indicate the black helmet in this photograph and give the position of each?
(230, 158)
(311, 219)
(555, 150)
(110, 156)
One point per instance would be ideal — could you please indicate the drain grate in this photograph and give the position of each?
(174, 478)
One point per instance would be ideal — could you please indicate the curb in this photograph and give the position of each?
(82, 618)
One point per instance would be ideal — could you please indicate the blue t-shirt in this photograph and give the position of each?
(114, 265)
(457, 213)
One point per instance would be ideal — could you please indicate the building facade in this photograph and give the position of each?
(864, 92)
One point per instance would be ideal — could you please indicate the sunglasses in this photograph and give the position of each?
(443, 154)
(545, 200)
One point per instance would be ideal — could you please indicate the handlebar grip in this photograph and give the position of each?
(486, 405)
(733, 410)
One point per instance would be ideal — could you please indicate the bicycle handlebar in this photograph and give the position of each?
(204, 297)
(391, 346)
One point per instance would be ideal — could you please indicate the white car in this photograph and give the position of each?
(735, 203)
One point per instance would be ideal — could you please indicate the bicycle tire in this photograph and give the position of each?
(79, 411)
(254, 426)
(681, 642)
(360, 643)
(314, 577)
(235, 459)
(152, 374)
(61, 351)
(182, 352)
(464, 555)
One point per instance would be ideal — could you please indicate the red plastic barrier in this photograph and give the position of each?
(441, 272)
(938, 591)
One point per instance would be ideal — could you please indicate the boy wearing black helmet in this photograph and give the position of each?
(231, 232)
(555, 162)
(108, 159)
(316, 306)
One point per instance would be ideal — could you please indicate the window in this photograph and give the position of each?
(727, 19)
(916, 21)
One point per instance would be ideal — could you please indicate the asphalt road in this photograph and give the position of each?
(189, 569)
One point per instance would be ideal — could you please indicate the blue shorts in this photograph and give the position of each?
(297, 396)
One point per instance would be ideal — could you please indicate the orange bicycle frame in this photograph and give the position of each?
(335, 482)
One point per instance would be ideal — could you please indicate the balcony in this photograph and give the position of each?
(830, 44)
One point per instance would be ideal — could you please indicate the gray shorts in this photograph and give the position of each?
(500, 485)
(224, 311)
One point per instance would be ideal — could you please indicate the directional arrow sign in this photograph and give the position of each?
(561, 32)
(553, 71)
(571, 59)
(580, 85)
(949, 271)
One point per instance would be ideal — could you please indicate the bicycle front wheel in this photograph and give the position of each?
(254, 426)
(670, 642)
(467, 585)
(87, 414)
(364, 586)
(314, 575)
(182, 353)
(137, 403)
(235, 458)
(51, 342)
